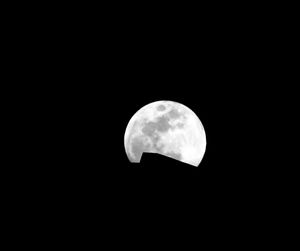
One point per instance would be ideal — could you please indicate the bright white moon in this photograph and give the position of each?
(167, 128)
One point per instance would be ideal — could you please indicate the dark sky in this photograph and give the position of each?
(94, 82)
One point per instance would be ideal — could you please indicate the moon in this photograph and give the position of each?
(167, 128)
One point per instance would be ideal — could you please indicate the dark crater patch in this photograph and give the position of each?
(162, 125)
(161, 108)
(174, 114)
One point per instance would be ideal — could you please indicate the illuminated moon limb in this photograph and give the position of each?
(188, 140)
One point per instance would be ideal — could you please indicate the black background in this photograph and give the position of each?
(88, 74)
(97, 73)
(96, 84)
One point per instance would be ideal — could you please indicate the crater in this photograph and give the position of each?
(161, 108)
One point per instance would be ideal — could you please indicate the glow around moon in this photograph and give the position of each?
(167, 128)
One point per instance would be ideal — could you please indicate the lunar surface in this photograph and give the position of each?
(168, 128)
